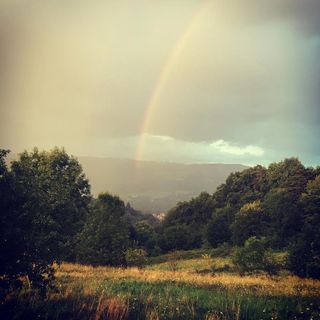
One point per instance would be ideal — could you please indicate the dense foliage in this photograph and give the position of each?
(280, 203)
(254, 256)
(105, 236)
(305, 250)
(44, 202)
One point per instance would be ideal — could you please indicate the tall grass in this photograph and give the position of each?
(259, 284)
(86, 292)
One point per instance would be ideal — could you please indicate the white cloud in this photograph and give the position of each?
(226, 147)
(166, 148)
(157, 137)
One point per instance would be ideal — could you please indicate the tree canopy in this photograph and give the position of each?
(44, 203)
(105, 236)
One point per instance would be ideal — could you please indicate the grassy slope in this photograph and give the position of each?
(170, 290)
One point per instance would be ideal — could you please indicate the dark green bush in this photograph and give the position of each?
(255, 256)
(136, 257)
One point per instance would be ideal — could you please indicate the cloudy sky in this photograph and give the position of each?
(179, 80)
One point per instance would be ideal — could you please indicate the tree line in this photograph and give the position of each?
(280, 204)
(48, 215)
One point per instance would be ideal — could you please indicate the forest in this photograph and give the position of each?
(266, 220)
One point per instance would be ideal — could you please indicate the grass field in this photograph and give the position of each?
(179, 287)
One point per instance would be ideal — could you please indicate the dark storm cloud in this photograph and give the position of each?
(273, 100)
(304, 14)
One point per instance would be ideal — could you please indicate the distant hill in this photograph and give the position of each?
(149, 186)
(133, 216)
(154, 186)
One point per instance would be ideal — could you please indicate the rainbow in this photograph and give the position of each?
(164, 76)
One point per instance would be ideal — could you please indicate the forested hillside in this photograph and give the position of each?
(280, 203)
(48, 215)
(152, 186)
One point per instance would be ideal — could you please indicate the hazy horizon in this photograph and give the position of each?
(14, 154)
(180, 81)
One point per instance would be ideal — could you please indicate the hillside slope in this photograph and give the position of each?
(154, 186)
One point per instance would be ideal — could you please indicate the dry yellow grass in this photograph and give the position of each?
(192, 264)
(111, 308)
(260, 285)
(96, 293)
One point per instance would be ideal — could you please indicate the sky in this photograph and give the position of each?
(182, 80)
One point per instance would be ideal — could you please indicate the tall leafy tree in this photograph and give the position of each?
(198, 210)
(105, 236)
(249, 221)
(145, 235)
(304, 257)
(181, 237)
(218, 229)
(291, 175)
(284, 216)
(11, 232)
(44, 198)
(242, 187)
(56, 195)
(190, 215)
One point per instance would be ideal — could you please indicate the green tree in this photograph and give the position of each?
(56, 195)
(12, 246)
(304, 255)
(105, 236)
(242, 187)
(181, 237)
(145, 235)
(291, 175)
(3, 166)
(249, 221)
(198, 210)
(218, 230)
(43, 201)
(284, 218)
(190, 215)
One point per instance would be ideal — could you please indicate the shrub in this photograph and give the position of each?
(136, 257)
(173, 258)
(255, 256)
(222, 250)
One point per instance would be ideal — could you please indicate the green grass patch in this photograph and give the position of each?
(180, 255)
(181, 301)
(133, 299)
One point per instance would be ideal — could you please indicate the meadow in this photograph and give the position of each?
(185, 285)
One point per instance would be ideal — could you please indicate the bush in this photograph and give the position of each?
(254, 256)
(222, 250)
(173, 258)
(136, 257)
